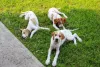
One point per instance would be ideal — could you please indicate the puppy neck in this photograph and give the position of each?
(29, 28)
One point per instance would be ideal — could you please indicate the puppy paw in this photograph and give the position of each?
(75, 44)
(54, 63)
(48, 29)
(30, 36)
(80, 40)
(47, 62)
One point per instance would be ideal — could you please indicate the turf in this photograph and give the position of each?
(82, 14)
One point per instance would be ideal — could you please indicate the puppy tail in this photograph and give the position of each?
(74, 29)
(44, 28)
(64, 15)
(22, 14)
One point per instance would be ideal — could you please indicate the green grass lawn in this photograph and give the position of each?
(82, 14)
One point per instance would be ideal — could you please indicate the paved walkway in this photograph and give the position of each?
(13, 53)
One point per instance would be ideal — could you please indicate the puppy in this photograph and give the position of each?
(54, 16)
(57, 39)
(33, 24)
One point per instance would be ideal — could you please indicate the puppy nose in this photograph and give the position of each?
(56, 40)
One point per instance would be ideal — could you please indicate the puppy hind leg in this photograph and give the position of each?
(79, 39)
(63, 27)
(61, 13)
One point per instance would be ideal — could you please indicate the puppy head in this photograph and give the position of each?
(59, 21)
(25, 33)
(57, 36)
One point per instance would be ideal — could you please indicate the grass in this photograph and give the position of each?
(82, 14)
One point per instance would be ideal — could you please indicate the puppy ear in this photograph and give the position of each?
(55, 21)
(62, 36)
(53, 33)
(21, 29)
(63, 20)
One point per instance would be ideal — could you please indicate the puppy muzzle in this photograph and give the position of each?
(56, 40)
(23, 37)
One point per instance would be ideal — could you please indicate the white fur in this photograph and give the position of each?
(53, 45)
(33, 23)
(53, 13)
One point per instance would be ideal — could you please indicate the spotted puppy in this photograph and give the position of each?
(33, 24)
(57, 39)
(55, 17)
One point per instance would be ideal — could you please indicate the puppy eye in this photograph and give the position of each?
(23, 32)
(55, 34)
(59, 35)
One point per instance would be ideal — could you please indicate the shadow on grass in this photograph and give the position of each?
(85, 54)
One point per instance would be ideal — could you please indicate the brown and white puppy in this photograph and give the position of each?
(55, 17)
(33, 24)
(57, 39)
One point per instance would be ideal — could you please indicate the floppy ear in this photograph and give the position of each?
(62, 36)
(55, 21)
(53, 33)
(63, 20)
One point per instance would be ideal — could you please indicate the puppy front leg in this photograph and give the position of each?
(63, 26)
(56, 57)
(33, 32)
(75, 41)
(48, 57)
(62, 14)
(55, 27)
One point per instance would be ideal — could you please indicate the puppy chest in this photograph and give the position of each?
(54, 46)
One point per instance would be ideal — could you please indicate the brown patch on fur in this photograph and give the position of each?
(62, 36)
(63, 20)
(26, 32)
(53, 34)
(59, 21)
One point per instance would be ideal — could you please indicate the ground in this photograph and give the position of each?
(82, 14)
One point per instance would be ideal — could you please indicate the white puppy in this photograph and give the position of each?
(54, 16)
(57, 39)
(33, 24)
